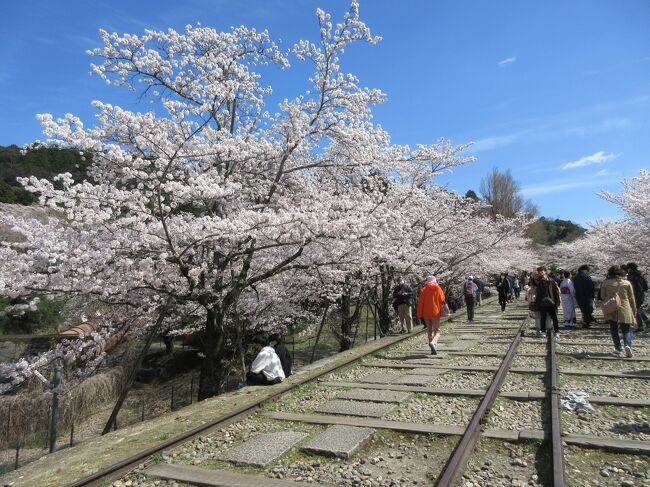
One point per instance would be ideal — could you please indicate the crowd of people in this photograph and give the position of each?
(622, 294)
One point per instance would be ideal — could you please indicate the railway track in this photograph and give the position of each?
(484, 411)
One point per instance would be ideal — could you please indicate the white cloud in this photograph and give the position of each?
(565, 185)
(598, 158)
(603, 172)
(490, 143)
(506, 61)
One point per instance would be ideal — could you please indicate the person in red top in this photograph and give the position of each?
(432, 297)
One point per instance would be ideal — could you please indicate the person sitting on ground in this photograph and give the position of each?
(624, 315)
(282, 352)
(266, 369)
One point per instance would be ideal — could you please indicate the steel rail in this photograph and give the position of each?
(457, 462)
(557, 450)
(130, 462)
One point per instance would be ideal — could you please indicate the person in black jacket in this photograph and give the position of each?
(504, 289)
(585, 290)
(640, 286)
(547, 299)
(275, 340)
(403, 298)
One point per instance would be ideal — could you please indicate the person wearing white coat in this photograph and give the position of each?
(266, 369)
(569, 302)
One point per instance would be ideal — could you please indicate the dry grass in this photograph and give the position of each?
(27, 414)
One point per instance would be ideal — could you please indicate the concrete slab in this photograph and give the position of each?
(415, 380)
(379, 378)
(216, 478)
(374, 395)
(339, 441)
(403, 426)
(613, 444)
(426, 371)
(355, 408)
(262, 449)
(432, 360)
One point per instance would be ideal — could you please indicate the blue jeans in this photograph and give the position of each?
(626, 328)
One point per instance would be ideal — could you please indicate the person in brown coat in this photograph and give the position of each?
(623, 316)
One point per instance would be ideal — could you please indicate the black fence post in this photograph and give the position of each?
(17, 454)
(55, 408)
(143, 398)
(72, 434)
(172, 404)
(192, 390)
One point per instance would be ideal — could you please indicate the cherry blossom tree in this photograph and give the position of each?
(208, 196)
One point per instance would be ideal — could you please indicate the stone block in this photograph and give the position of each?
(374, 395)
(339, 441)
(355, 408)
(263, 449)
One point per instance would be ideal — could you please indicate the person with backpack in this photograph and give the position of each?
(619, 308)
(547, 299)
(470, 290)
(402, 297)
(640, 286)
(481, 287)
(430, 303)
(585, 291)
(503, 288)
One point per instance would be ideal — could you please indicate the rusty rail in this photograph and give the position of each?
(457, 462)
(557, 451)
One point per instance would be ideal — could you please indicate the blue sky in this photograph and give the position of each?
(558, 92)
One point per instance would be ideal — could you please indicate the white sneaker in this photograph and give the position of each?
(557, 334)
(616, 353)
(628, 351)
(434, 350)
(541, 334)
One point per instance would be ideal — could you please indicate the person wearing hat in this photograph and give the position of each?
(470, 290)
(430, 303)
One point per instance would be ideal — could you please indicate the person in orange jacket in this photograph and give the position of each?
(432, 297)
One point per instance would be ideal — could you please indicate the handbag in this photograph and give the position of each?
(444, 310)
(547, 302)
(612, 305)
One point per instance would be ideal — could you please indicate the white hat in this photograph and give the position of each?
(470, 277)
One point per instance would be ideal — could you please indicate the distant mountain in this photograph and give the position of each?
(42, 163)
(546, 231)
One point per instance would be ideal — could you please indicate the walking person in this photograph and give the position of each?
(430, 304)
(470, 290)
(531, 294)
(403, 296)
(517, 287)
(569, 302)
(481, 286)
(585, 291)
(266, 369)
(619, 308)
(640, 286)
(503, 288)
(547, 300)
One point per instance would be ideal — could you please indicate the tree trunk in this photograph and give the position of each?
(347, 320)
(129, 382)
(212, 346)
(383, 305)
(169, 344)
